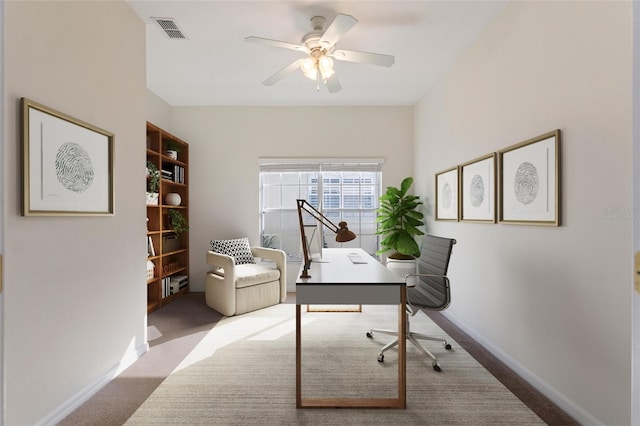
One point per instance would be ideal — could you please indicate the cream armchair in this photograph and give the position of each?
(237, 289)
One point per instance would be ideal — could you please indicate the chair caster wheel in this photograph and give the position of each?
(437, 368)
(380, 358)
(369, 335)
(447, 346)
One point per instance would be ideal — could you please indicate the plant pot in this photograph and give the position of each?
(172, 154)
(152, 198)
(173, 199)
(403, 267)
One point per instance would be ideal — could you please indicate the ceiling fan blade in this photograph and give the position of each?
(364, 57)
(333, 84)
(277, 43)
(282, 73)
(337, 29)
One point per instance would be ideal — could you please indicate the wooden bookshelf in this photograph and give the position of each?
(171, 258)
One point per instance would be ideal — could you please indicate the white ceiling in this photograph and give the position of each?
(215, 66)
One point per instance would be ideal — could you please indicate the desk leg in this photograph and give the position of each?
(298, 360)
(402, 349)
(400, 402)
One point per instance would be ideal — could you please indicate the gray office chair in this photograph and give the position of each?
(430, 291)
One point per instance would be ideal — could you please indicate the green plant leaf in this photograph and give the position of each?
(407, 245)
(398, 220)
(406, 184)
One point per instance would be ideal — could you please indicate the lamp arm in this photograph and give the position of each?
(342, 232)
(318, 216)
(305, 251)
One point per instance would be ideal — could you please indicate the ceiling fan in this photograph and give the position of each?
(319, 47)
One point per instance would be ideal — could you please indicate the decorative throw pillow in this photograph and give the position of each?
(239, 249)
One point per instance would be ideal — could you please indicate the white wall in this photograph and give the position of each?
(159, 112)
(75, 298)
(225, 144)
(553, 302)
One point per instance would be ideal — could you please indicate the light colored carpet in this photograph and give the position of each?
(243, 373)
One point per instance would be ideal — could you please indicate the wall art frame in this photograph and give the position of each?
(447, 195)
(529, 181)
(478, 189)
(67, 164)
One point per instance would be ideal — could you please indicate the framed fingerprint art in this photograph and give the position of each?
(67, 164)
(478, 190)
(447, 195)
(529, 181)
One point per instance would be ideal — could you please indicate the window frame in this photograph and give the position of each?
(327, 177)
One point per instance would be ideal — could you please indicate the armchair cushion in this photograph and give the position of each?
(238, 248)
(251, 274)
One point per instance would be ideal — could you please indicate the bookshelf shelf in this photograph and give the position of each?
(171, 258)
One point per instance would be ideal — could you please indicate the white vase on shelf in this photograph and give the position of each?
(173, 199)
(152, 198)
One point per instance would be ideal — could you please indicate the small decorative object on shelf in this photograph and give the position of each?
(173, 148)
(150, 270)
(152, 198)
(173, 199)
(178, 222)
(154, 184)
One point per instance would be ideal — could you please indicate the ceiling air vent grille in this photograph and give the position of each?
(170, 28)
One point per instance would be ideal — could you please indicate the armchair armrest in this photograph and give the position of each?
(220, 260)
(268, 253)
(278, 256)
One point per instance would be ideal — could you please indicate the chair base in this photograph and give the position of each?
(413, 338)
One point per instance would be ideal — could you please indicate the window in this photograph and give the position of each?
(342, 191)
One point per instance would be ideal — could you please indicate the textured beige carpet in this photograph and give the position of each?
(243, 373)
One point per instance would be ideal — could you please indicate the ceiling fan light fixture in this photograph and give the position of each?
(325, 64)
(309, 68)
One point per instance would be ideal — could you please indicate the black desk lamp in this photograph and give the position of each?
(342, 232)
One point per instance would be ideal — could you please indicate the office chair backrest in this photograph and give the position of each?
(433, 292)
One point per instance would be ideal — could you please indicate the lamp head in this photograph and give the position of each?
(343, 234)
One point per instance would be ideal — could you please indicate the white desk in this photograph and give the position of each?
(337, 280)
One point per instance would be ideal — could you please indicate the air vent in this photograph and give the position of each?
(171, 29)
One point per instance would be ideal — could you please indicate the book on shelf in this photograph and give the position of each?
(178, 283)
(176, 287)
(173, 172)
(151, 251)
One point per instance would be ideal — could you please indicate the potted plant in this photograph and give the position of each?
(173, 147)
(154, 183)
(178, 222)
(399, 218)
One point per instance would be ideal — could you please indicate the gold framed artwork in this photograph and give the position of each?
(529, 181)
(67, 164)
(478, 190)
(447, 206)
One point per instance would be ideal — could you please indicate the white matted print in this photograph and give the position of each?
(530, 181)
(447, 195)
(478, 190)
(68, 164)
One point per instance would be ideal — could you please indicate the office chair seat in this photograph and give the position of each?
(431, 291)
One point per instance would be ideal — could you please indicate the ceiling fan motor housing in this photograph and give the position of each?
(318, 23)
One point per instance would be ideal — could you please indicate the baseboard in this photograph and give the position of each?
(558, 398)
(90, 390)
